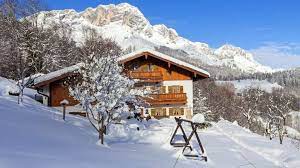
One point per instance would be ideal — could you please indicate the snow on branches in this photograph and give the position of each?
(103, 91)
(200, 105)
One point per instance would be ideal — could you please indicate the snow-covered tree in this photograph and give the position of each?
(103, 91)
(17, 42)
(200, 105)
(276, 107)
(249, 105)
(52, 50)
(15, 53)
(267, 106)
(282, 106)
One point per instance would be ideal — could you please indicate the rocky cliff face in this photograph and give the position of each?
(128, 26)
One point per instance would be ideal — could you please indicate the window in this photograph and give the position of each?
(176, 111)
(154, 89)
(163, 89)
(135, 66)
(147, 111)
(145, 68)
(148, 67)
(154, 68)
(175, 89)
(158, 112)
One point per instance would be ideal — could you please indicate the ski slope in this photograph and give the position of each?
(35, 136)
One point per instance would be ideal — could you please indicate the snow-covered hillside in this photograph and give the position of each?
(127, 25)
(33, 135)
(241, 85)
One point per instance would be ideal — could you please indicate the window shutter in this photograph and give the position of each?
(164, 111)
(171, 111)
(152, 112)
(182, 111)
(163, 89)
(170, 89)
(181, 89)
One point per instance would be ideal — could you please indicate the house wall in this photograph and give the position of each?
(172, 76)
(59, 92)
(188, 107)
(187, 88)
(45, 91)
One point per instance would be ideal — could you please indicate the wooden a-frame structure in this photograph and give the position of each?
(187, 139)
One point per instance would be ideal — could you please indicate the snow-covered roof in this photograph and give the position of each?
(60, 73)
(162, 56)
(54, 75)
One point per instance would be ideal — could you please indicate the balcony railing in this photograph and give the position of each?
(167, 98)
(143, 76)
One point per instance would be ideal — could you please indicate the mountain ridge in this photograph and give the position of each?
(127, 25)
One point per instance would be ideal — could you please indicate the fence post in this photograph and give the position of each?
(64, 103)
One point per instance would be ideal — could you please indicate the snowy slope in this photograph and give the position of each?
(252, 83)
(7, 86)
(35, 136)
(127, 25)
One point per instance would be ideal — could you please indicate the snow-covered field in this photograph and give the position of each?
(33, 135)
(252, 83)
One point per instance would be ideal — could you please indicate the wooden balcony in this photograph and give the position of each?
(167, 98)
(143, 76)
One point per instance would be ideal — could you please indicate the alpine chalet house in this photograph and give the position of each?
(170, 79)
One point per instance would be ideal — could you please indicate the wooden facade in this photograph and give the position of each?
(58, 92)
(155, 66)
(171, 98)
(150, 71)
(144, 76)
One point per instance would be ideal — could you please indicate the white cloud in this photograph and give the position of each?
(278, 55)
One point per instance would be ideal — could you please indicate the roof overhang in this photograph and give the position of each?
(165, 58)
(66, 72)
(56, 75)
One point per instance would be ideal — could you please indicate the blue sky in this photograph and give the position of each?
(265, 27)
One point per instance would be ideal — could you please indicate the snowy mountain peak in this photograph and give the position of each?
(230, 51)
(124, 14)
(127, 25)
(166, 32)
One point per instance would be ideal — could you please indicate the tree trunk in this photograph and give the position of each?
(101, 131)
(20, 97)
(270, 131)
(64, 112)
(280, 134)
(21, 94)
(249, 124)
